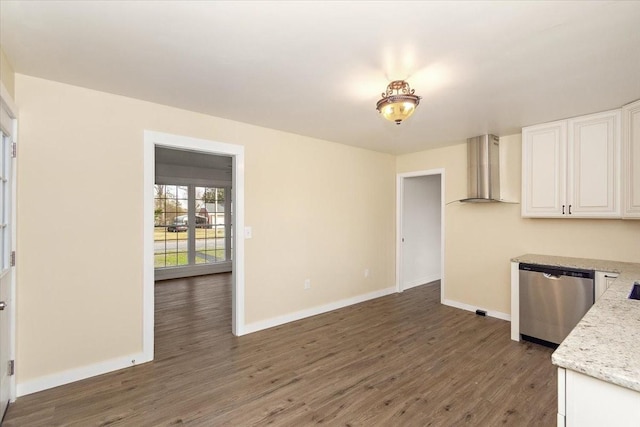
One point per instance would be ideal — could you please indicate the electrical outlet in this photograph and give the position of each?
(307, 283)
(366, 273)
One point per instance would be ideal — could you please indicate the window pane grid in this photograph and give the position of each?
(5, 201)
(172, 226)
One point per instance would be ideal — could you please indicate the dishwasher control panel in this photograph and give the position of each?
(558, 271)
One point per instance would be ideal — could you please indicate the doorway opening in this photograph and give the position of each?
(193, 213)
(420, 229)
(233, 191)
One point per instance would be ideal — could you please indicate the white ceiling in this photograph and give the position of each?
(318, 68)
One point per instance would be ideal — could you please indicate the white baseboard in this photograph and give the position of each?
(422, 281)
(490, 313)
(291, 317)
(77, 374)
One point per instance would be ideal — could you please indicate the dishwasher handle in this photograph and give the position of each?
(550, 276)
(553, 270)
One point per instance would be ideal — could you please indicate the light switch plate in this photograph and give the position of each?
(247, 233)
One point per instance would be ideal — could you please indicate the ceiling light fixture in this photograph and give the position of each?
(398, 103)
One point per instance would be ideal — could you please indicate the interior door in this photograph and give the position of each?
(6, 269)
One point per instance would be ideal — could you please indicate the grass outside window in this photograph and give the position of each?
(177, 259)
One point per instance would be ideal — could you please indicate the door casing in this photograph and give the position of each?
(400, 180)
(151, 140)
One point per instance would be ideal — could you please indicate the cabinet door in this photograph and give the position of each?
(631, 160)
(595, 403)
(544, 169)
(593, 176)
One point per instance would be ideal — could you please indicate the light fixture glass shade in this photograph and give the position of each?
(398, 103)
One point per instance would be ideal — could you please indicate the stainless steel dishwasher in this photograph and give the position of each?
(553, 300)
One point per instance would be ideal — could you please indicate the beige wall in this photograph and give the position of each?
(319, 210)
(480, 239)
(7, 74)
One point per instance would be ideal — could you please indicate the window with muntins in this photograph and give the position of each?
(5, 202)
(190, 226)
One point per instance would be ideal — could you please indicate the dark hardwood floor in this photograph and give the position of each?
(400, 360)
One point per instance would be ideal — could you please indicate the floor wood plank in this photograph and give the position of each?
(403, 359)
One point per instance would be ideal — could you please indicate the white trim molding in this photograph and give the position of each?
(468, 307)
(77, 374)
(292, 317)
(193, 270)
(399, 201)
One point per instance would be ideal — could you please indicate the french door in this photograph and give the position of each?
(192, 233)
(6, 268)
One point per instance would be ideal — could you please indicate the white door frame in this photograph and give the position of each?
(151, 140)
(399, 215)
(9, 108)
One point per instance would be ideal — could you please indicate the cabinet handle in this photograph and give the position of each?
(562, 209)
(610, 277)
(569, 209)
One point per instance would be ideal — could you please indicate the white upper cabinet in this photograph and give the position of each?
(594, 165)
(544, 149)
(571, 168)
(631, 160)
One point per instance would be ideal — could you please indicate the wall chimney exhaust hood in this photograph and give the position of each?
(483, 161)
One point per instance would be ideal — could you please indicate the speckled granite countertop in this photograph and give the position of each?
(606, 342)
